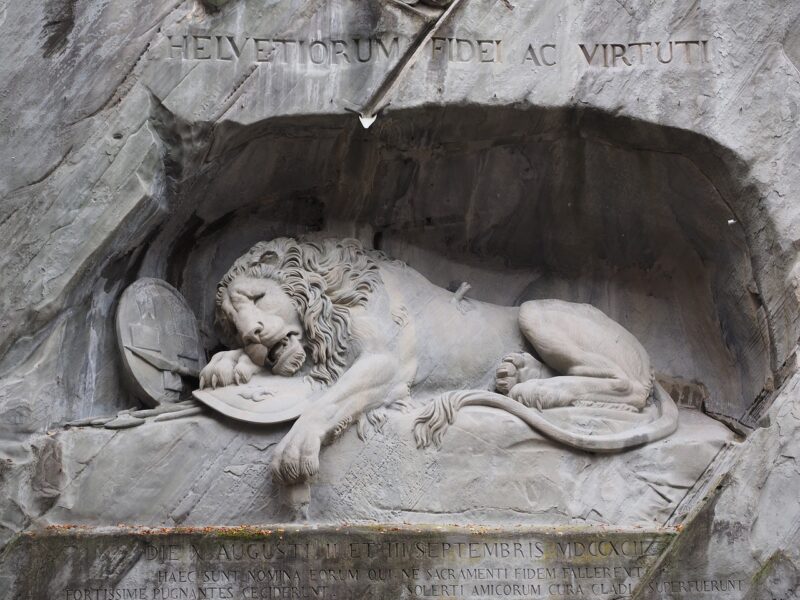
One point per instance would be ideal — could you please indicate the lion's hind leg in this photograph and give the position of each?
(590, 378)
(518, 367)
(569, 390)
(596, 359)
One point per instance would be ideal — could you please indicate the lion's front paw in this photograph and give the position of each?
(296, 458)
(245, 369)
(516, 368)
(220, 370)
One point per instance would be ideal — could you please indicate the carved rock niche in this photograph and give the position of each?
(637, 219)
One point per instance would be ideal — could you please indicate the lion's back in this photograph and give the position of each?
(462, 341)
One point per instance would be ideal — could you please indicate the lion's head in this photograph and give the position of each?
(285, 295)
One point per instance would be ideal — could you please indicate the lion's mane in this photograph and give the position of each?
(324, 279)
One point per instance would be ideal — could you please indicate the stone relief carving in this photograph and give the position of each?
(583, 154)
(159, 344)
(327, 332)
(159, 341)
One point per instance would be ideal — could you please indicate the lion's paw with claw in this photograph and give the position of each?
(296, 457)
(231, 367)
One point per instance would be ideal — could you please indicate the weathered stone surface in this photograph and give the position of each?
(220, 474)
(146, 139)
(168, 138)
(751, 521)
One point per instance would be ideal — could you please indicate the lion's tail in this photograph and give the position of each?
(432, 423)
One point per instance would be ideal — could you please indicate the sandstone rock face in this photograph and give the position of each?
(640, 157)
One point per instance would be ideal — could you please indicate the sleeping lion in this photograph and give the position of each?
(374, 332)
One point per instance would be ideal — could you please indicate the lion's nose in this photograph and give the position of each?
(254, 335)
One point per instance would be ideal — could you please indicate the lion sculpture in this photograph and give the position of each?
(374, 332)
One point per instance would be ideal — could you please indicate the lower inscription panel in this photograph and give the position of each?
(330, 562)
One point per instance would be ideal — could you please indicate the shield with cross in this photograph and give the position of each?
(159, 341)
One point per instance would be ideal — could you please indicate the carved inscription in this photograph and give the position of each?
(630, 54)
(641, 53)
(697, 586)
(464, 50)
(382, 562)
(523, 582)
(347, 563)
(230, 48)
(419, 569)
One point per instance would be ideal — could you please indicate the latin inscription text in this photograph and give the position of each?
(350, 51)
(281, 565)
